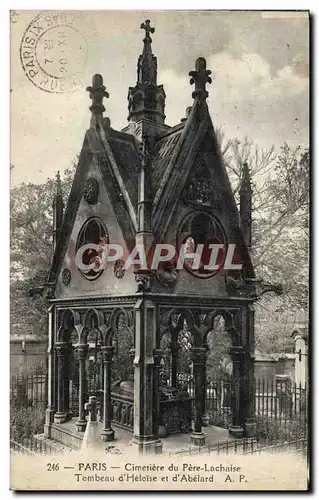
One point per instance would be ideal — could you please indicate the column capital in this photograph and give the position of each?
(198, 355)
(82, 350)
(107, 353)
(157, 355)
(237, 351)
(60, 348)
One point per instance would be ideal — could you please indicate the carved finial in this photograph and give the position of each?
(58, 208)
(245, 203)
(147, 40)
(58, 183)
(97, 93)
(245, 173)
(200, 77)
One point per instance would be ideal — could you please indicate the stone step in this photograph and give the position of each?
(66, 437)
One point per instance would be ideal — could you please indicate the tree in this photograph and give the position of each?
(31, 251)
(280, 231)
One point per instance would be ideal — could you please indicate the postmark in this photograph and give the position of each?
(53, 50)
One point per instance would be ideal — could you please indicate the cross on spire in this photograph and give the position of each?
(147, 40)
(97, 93)
(200, 77)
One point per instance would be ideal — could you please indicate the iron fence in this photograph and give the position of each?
(29, 390)
(281, 406)
(246, 446)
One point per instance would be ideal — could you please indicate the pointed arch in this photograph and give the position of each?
(70, 320)
(116, 313)
(93, 318)
(229, 324)
(192, 321)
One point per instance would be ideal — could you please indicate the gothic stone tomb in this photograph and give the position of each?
(149, 183)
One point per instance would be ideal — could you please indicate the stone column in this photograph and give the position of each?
(250, 396)
(66, 380)
(249, 376)
(198, 359)
(107, 431)
(236, 428)
(60, 416)
(205, 416)
(82, 350)
(144, 438)
(158, 353)
(49, 413)
(174, 354)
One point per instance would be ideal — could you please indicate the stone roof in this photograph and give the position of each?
(162, 154)
(126, 156)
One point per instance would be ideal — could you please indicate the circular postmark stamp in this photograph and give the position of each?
(53, 50)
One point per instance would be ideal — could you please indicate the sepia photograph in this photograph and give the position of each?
(159, 250)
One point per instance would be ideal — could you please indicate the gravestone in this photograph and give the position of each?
(92, 438)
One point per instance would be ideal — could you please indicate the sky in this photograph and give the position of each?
(259, 90)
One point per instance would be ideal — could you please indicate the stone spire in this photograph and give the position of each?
(97, 93)
(147, 99)
(245, 203)
(57, 208)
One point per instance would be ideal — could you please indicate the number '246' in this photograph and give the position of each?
(53, 467)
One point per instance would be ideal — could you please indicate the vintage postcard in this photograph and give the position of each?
(159, 250)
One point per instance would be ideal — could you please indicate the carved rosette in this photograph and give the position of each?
(66, 276)
(118, 269)
(91, 191)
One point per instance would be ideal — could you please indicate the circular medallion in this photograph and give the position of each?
(91, 191)
(66, 277)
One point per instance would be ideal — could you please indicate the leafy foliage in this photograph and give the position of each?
(270, 431)
(280, 232)
(218, 343)
(25, 422)
(31, 252)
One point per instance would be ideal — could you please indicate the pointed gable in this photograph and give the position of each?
(157, 178)
(122, 194)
